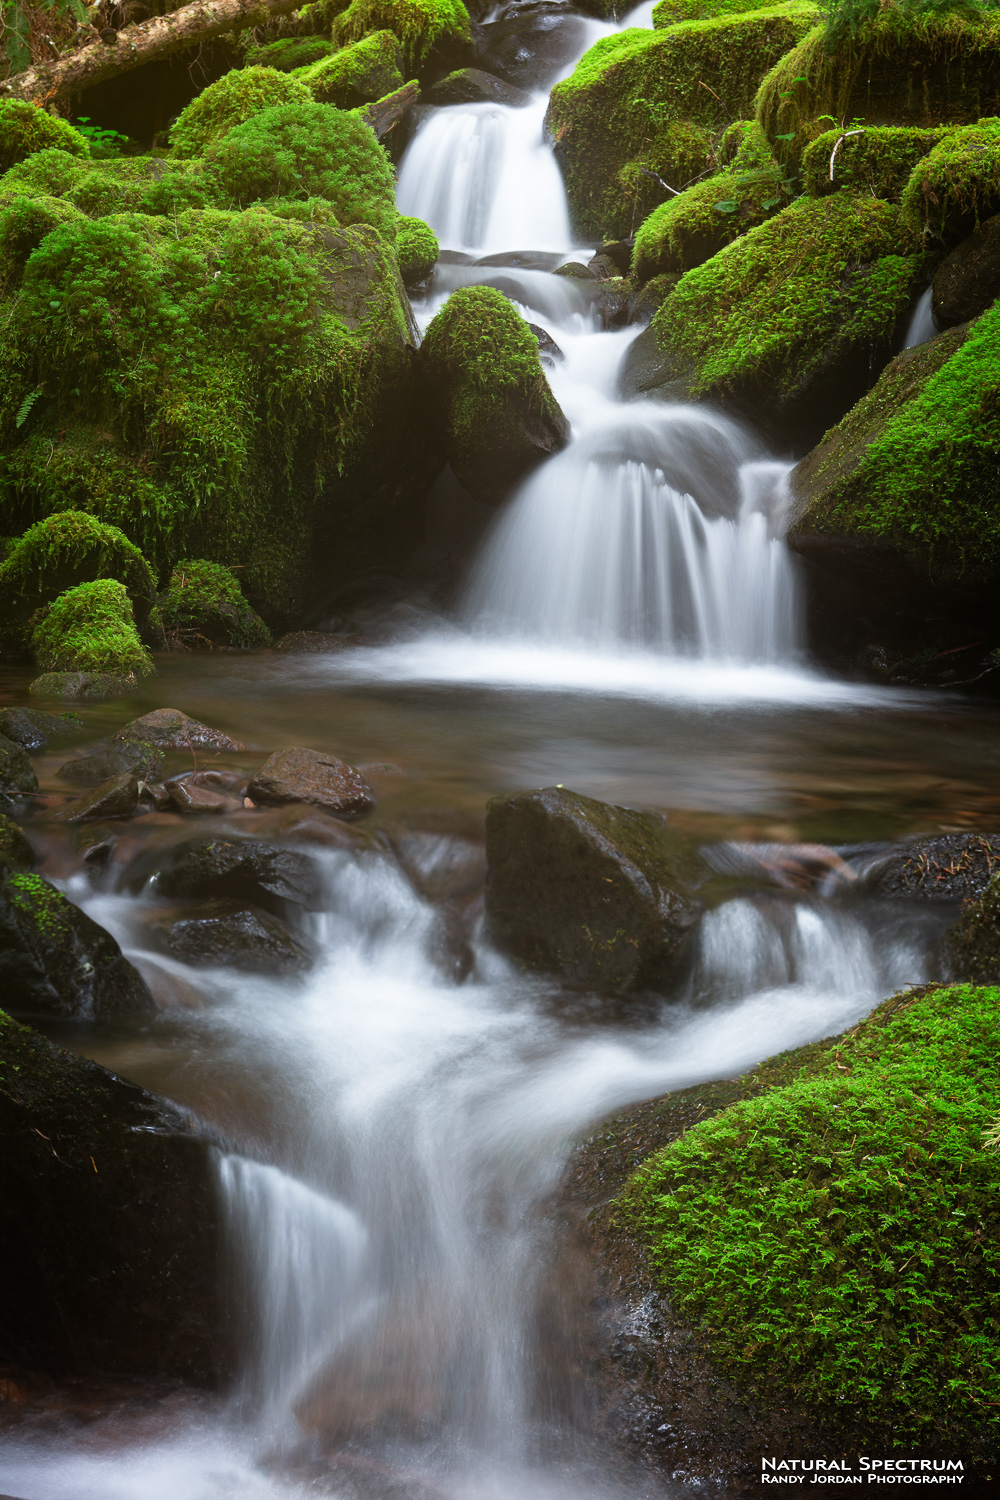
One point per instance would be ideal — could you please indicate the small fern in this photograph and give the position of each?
(25, 408)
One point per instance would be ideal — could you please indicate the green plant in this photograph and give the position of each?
(846, 18)
(30, 30)
(27, 128)
(105, 144)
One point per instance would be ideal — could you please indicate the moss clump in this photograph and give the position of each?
(643, 102)
(957, 184)
(26, 128)
(287, 53)
(775, 312)
(232, 100)
(358, 74)
(897, 70)
(90, 628)
(422, 26)
(878, 160)
(838, 1238)
(672, 12)
(416, 248)
(203, 605)
(64, 550)
(24, 223)
(695, 225)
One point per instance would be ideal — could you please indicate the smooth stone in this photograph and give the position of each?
(32, 728)
(17, 777)
(530, 50)
(548, 349)
(300, 775)
(575, 270)
(170, 729)
(239, 936)
(619, 252)
(70, 685)
(141, 761)
(603, 267)
(523, 260)
(474, 86)
(190, 796)
(238, 868)
(118, 797)
(15, 851)
(310, 643)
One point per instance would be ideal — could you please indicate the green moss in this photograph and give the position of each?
(232, 100)
(898, 70)
(91, 628)
(26, 128)
(420, 25)
(287, 53)
(357, 74)
(15, 851)
(49, 173)
(878, 160)
(836, 1238)
(204, 606)
(651, 100)
(24, 223)
(957, 184)
(671, 12)
(416, 248)
(41, 903)
(775, 306)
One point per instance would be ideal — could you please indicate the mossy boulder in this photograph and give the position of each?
(417, 249)
(34, 730)
(15, 851)
(600, 895)
(55, 961)
(878, 160)
(358, 74)
(647, 102)
(435, 35)
(203, 605)
(232, 100)
(788, 325)
(68, 687)
(91, 628)
(958, 183)
(970, 950)
(27, 128)
(497, 416)
(56, 554)
(110, 1227)
(287, 53)
(17, 776)
(24, 223)
(967, 281)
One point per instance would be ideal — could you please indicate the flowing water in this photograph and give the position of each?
(392, 1128)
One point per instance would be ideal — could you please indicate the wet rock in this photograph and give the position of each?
(598, 894)
(98, 857)
(118, 797)
(140, 761)
(299, 775)
(575, 270)
(950, 867)
(613, 300)
(642, 372)
(84, 685)
(170, 729)
(108, 1223)
(238, 869)
(311, 643)
(528, 51)
(547, 347)
(15, 851)
(55, 961)
(33, 729)
(207, 791)
(521, 260)
(442, 866)
(236, 935)
(619, 253)
(204, 606)
(473, 86)
(970, 950)
(968, 280)
(603, 266)
(17, 779)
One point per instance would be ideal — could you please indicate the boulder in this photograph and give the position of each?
(55, 961)
(91, 628)
(170, 729)
(600, 895)
(473, 86)
(236, 868)
(108, 1223)
(528, 50)
(17, 778)
(358, 74)
(118, 797)
(417, 250)
(215, 792)
(968, 280)
(203, 606)
(299, 775)
(15, 851)
(73, 685)
(236, 935)
(33, 730)
(950, 867)
(140, 761)
(548, 350)
(970, 950)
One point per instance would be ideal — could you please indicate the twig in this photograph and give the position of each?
(839, 142)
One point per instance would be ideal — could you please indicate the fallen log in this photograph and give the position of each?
(387, 112)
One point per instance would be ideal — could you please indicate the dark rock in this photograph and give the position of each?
(17, 779)
(950, 867)
(299, 775)
(575, 270)
(118, 797)
(522, 260)
(55, 961)
(473, 86)
(547, 347)
(84, 685)
(15, 851)
(642, 372)
(644, 303)
(968, 279)
(207, 791)
(603, 266)
(236, 868)
(970, 950)
(108, 1223)
(33, 730)
(203, 606)
(528, 51)
(237, 936)
(613, 300)
(619, 252)
(169, 729)
(456, 258)
(140, 761)
(97, 857)
(598, 894)
(311, 643)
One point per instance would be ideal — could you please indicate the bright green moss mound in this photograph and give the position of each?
(358, 74)
(287, 53)
(416, 248)
(203, 605)
(480, 335)
(90, 628)
(64, 550)
(24, 223)
(957, 184)
(232, 100)
(841, 1235)
(26, 128)
(420, 25)
(878, 160)
(773, 307)
(671, 12)
(644, 101)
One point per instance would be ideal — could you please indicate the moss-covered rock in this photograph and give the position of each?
(17, 777)
(672, 12)
(417, 249)
(232, 100)
(957, 183)
(15, 851)
(896, 70)
(24, 223)
(498, 417)
(69, 687)
(357, 74)
(287, 53)
(204, 606)
(27, 128)
(876, 160)
(435, 35)
(91, 628)
(647, 102)
(66, 549)
(788, 324)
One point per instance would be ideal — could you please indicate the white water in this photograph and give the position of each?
(921, 326)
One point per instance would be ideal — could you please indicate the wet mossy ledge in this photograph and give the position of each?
(824, 1231)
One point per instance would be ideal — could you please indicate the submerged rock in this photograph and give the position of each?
(207, 791)
(235, 935)
(55, 961)
(300, 775)
(968, 280)
(240, 869)
(598, 894)
(72, 685)
(17, 778)
(108, 1223)
(170, 729)
(33, 729)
